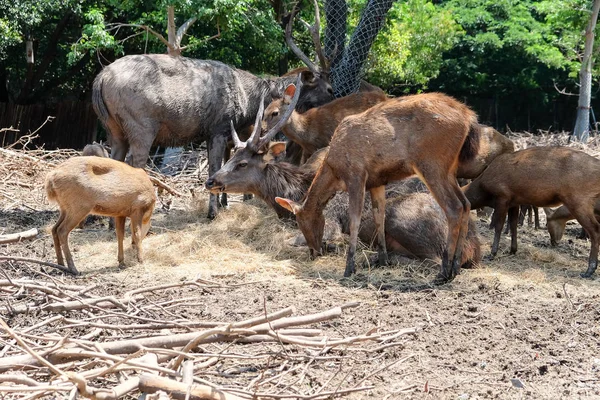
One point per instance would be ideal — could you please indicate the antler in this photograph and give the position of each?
(316, 37)
(255, 141)
(258, 142)
(238, 144)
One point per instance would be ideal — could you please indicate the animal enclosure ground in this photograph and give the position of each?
(523, 326)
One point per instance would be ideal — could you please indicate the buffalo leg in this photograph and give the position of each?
(216, 150)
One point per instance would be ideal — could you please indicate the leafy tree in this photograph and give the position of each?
(581, 131)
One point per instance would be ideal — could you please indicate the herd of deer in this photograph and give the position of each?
(363, 144)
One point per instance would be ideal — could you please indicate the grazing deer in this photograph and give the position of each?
(424, 134)
(313, 129)
(99, 186)
(542, 177)
(556, 222)
(414, 226)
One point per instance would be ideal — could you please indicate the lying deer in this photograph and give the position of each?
(100, 186)
(542, 177)
(313, 129)
(424, 134)
(415, 225)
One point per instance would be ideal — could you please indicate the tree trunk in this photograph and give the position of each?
(336, 14)
(34, 75)
(582, 124)
(173, 48)
(345, 77)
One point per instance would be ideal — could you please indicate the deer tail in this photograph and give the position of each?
(470, 146)
(50, 190)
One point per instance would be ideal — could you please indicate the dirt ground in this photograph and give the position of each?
(523, 326)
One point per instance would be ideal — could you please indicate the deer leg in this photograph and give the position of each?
(588, 221)
(442, 188)
(536, 217)
(513, 219)
(378, 206)
(57, 247)
(464, 228)
(522, 214)
(216, 150)
(356, 204)
(501, 210)
(69, 222)
(120, 229)
(136, 235)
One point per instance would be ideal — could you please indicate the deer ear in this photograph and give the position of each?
(289, 93)
(289, 205)
(307, 76)
(277, 150)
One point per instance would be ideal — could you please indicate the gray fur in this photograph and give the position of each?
(171, 101)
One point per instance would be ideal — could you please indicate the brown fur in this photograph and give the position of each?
(99, 186)
(491, 144)
(542, 177)
(556, 222)
(415, 225)
(313, 129)
(420, 134)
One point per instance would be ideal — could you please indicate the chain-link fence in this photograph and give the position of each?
(347, 62)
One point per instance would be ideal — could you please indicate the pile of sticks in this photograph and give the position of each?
(59, 339)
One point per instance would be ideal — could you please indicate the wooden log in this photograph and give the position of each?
(178, 390)
(18, 237)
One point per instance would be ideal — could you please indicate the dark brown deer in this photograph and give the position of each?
(491, 144)
(313, 129)
(424, 134)
(542, 177)
(556, 222)
(99, 186)
(415, 225)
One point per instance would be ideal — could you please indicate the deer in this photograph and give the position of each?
(95, 149)
(313, 129)
(424, 135)
(556, 222)
(542, 177)
(99, 186)
(415, 225)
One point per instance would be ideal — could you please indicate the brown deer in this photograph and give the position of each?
(542, 177)
(313, 129)
(491, 144)
(95, 149)
(556, 222)
(424, 134)
(415, 225)
(99, 186)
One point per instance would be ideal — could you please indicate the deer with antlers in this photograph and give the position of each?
(426, 135)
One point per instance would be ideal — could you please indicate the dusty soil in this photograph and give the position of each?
(524, 326)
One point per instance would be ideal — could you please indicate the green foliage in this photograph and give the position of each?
(410, 48)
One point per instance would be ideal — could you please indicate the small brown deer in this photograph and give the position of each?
(100, 186)
(542, 177)
(313, 129)
(425, 134)
(95, 149)
(556, 222)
